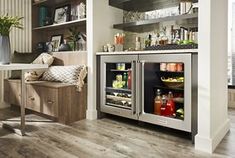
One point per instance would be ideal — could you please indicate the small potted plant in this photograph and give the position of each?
(74, 37)
(7, 23)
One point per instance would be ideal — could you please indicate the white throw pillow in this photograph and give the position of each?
(74, 75)
(43, 58)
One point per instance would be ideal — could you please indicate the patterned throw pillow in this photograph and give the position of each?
(74, 75)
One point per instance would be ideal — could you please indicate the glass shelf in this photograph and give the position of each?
(119, 106)
(118, 90)
(114, 70)
(168, 88)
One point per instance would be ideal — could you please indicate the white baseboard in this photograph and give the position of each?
(209, 144)
(91, 114)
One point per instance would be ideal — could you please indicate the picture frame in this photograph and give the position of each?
(62, 14)
(56, 41)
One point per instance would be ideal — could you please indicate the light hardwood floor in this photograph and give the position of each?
(104, 138)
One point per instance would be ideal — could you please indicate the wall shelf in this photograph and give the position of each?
(130, 25)
(75, 52)
(143, 5)
(39, 2)
(49, 2)
(77, 22)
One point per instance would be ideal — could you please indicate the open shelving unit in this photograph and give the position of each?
(43, 34)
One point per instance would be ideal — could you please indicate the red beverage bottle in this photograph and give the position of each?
(170, 106)
(163, 107)
(129, 79)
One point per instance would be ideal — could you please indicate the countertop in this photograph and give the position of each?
(21, 66)
(178, 51)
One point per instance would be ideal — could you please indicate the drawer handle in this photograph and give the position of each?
(50, 102)
(32, 98)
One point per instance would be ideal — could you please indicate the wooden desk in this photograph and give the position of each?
(24, 68)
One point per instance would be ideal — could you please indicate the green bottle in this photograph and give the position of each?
(125, 79)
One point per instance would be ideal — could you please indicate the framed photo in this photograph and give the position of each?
(61, 14)
(56, 40)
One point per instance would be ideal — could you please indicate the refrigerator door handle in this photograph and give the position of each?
(133, 87)
(141, 76)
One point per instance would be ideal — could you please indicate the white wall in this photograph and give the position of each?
(213, 121)
(20, 39)
(101, 18)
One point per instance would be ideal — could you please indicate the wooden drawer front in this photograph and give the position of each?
(12, 92)
(49, 101)
(33, 98)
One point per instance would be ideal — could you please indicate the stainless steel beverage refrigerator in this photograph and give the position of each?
(134, 96)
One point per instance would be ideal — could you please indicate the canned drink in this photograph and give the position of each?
(122, 66)
(119, 77)
(163, 67)
(118, 66)
(180, 67)
(172, 67)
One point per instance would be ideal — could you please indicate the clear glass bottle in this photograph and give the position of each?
(137, 44)
(158, 103)
(163, 106)
(170, 106)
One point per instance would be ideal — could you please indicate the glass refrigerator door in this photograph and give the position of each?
(166, 92)
(118, 96)
(118, 85)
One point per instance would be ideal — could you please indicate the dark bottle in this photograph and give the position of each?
(125, 79)
(148, 41)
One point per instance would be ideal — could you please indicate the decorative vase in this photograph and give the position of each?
(5, 50)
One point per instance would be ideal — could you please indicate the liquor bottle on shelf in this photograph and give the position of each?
(148, 41)
(158, 103)
(170, 106)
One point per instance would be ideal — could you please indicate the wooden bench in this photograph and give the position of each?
(60, 101)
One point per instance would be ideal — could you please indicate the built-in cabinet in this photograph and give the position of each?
(133, 96)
